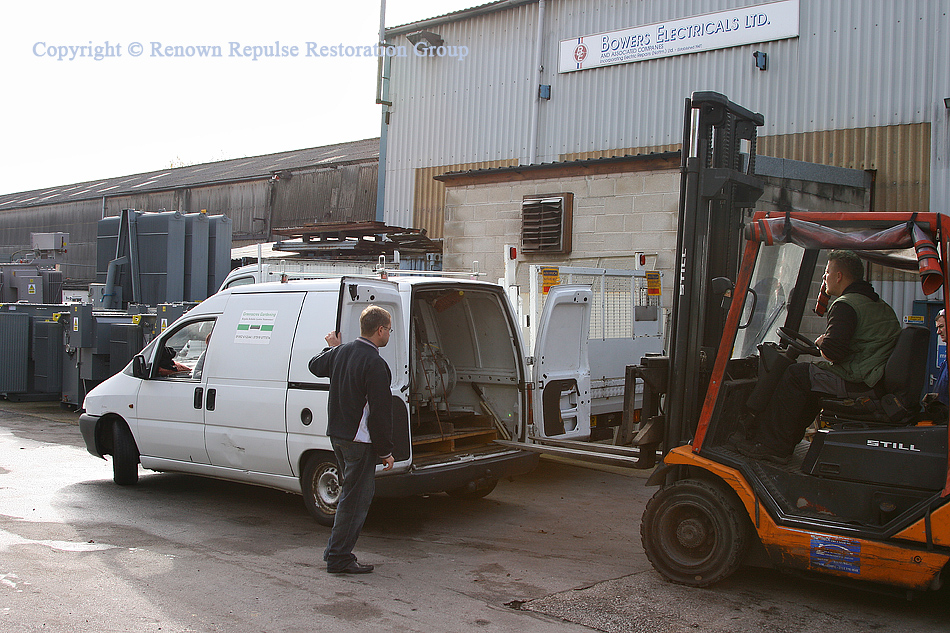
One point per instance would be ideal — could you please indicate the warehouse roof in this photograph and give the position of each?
(238, 169)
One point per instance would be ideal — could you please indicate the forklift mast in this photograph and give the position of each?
(717, 189)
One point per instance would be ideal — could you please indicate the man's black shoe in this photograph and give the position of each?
(353, 567)
(756, 450)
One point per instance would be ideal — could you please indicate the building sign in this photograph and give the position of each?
(725, 29)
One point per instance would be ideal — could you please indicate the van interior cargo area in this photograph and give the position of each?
(464, 374)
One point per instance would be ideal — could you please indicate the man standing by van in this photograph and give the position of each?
(360, 428)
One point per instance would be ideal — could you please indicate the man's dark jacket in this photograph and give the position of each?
(358, 374)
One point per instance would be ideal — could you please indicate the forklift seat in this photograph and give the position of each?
(905, 375)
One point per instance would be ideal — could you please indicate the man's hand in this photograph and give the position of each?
(388, 462)
(332, 339)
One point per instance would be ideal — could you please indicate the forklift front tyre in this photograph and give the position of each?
(694, 532)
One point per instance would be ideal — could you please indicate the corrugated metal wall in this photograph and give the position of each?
(429, 207)
(343, 194)
(76, 218)
(246, 203)
(900, 154)
(862, 76)
(450, 112)
(940, 117)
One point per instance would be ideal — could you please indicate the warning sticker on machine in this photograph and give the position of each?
(835, 553)
(255, 327)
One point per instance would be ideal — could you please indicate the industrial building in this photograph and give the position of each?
(853, 84)
(334, 183)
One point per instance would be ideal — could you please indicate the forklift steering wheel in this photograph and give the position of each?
(798, 342)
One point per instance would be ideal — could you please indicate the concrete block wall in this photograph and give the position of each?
(618, 214)
(614, 216)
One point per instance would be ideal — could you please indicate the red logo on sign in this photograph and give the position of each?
(580, 53)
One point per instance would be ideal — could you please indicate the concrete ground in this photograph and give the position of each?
(555, 550)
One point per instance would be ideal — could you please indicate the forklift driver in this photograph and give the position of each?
(861, 333)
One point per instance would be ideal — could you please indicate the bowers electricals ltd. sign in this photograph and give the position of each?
(725, 29)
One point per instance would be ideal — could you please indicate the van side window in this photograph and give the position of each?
(181, 353)
(240, 281)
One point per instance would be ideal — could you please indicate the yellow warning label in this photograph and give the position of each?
(549, 277)
(653, 283)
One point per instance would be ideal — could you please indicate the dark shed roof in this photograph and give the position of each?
(238, 169)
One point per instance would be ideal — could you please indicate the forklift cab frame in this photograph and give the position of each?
(824, 513)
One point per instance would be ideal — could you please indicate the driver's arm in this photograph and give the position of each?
(835, 343)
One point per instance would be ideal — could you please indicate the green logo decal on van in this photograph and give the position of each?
(255, 327)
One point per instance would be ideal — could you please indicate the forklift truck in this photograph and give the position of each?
(866, 498)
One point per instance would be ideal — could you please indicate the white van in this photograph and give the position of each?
(246, 407)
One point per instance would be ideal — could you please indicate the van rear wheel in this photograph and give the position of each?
(474, 490)
(320, 485)
(125, 455)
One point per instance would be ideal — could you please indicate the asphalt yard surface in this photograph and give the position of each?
(555, 550)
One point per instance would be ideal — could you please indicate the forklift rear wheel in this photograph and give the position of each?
(320, 485)
(125, 455)
(695, 532)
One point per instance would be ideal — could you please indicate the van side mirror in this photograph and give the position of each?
(138, 366)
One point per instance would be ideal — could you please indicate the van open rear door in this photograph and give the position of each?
(356, 294)
(561, 371)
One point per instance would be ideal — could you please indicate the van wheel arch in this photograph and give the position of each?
(105, 441)
(320, 486)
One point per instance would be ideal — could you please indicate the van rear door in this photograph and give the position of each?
(561, 369)
(355, 295)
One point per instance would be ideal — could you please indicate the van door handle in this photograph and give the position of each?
(209, 403)
(198, 392)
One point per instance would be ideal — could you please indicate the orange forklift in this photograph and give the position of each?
(866, 497)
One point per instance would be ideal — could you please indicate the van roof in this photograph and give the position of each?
(404, 282)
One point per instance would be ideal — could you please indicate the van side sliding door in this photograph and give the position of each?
(246, 385)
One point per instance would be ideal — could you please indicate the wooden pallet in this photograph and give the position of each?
(450, 442)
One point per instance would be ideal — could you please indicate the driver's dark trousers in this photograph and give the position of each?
(796, 403)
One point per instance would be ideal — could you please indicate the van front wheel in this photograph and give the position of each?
(320, 485)
(125, 455)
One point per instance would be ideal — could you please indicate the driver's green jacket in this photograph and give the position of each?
(874, 339)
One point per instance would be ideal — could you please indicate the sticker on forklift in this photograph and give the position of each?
(653, 283)
(255, 327)
(75, 324)
(31, 289)
(549, 277)
(164, 324)
(835, 553)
